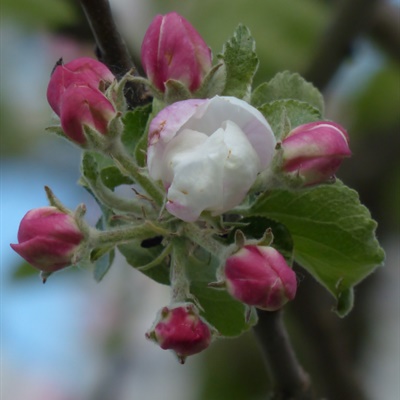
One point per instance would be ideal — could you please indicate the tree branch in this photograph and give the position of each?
(112, 50)
(385, 29)
(352, 17)
(290, 380)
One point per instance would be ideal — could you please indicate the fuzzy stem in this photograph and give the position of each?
(289, 379)
(125, 162)
(203, 238)
(112, 50)
(111, 200)
(123, 234)
(180, 285)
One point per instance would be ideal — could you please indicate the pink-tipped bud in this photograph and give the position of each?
(259, 276)
(48, 239)
(182, 330)
(81, 71)
(82, 105)
(314, 151)
(173, 49)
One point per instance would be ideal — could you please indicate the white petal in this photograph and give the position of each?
(216, 175)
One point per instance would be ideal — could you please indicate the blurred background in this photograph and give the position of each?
(74, 339)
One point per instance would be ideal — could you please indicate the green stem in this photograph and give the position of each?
(127, 165)
(180, 285)
(111, 200)
(123, 234)
(203, 238)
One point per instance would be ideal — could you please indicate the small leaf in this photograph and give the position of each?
(286, 85)
(103, 264)
(333, 235)
(345, 302)
(139, 257)
(296, 112)
(112, 177)
(92, 163)
(222, 311)
(134, 134)
(240, 62)
(89, 167)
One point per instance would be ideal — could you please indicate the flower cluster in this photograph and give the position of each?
(205, 156)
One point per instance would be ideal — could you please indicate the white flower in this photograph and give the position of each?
(208, 154)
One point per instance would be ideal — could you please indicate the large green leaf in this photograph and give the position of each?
(241, 63)
(284, 86)
(333, 235)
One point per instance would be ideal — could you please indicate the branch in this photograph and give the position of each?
(290, 380)
(385, 29)
(112, 50)
(352, 17)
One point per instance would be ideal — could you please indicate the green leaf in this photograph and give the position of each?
(220, 309)
(112, 177)
(92, 163)
(284, 86)
(333, 235)
(240, 62)
(138, 256)
(134, 136)
(297, 112)
(103, 264)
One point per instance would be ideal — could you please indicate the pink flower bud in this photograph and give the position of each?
(315, 151)
(173, 49)
(259, 276)
(182, 330)
(82, 71)
(48, 238)
(82, 105)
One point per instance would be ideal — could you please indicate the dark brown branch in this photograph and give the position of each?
(112, 50)
(290, 380)
(351, 18)
(385, 29)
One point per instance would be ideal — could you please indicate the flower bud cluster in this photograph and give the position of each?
(76, 94)
(207, 153)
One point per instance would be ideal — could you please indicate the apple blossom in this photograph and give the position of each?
(259, 276)
(173, 49)
(181, 329)
(208, 153)
(48, 239)
(314, 151)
